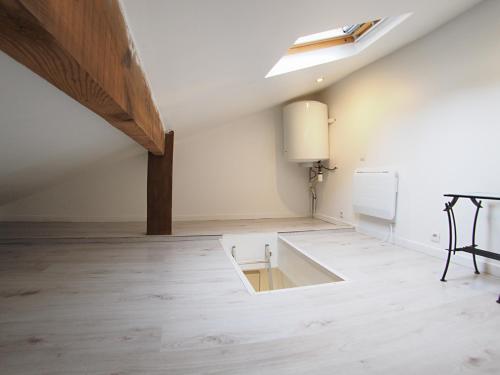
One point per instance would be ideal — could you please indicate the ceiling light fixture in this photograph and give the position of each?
(319, 80)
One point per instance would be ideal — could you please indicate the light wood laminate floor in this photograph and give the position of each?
(23, 230)
(179, 307)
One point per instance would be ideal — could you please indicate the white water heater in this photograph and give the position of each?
(305, 125)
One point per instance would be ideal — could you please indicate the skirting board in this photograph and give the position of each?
(437, 252)
(135, 218)
(333, 220)
(72, 219)
(236, 217)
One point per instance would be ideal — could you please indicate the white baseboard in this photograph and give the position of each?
(235, 217)
(128, 218)
(333, 220)
(434, 251)
(72, 219)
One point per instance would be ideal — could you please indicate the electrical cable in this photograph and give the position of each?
(328, 169)
(389, 238)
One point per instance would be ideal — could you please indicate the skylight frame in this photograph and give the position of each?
(318, 54)
(338, 32)
(333, 37)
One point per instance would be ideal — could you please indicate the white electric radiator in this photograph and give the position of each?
(375, 192)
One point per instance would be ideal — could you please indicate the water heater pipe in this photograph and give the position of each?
(315, 176)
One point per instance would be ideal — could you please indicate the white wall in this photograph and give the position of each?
(228, 172)
(432, 110)
(238, 171)
(112, 189)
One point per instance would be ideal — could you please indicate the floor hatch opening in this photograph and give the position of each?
(267, 262)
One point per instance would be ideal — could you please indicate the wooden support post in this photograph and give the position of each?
(159, 216)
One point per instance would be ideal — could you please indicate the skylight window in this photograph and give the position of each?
(330, 38)
(334, 33)
(334, 44)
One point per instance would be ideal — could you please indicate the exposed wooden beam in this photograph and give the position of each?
(83, 48)
(159, 215)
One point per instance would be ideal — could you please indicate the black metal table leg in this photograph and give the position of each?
(452, 229)
(478, 206)
(443, 278)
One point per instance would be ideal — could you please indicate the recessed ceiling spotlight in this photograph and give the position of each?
(319, 80)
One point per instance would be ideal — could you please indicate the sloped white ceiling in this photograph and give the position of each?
(206, 60)
(45, 134)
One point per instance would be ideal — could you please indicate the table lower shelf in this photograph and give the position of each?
(480, 252)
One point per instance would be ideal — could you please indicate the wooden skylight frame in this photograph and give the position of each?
(357, 33)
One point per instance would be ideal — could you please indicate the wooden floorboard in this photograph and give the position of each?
(178, 307)
(25, 230)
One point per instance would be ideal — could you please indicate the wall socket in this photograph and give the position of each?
(341, 214)
(435, 237)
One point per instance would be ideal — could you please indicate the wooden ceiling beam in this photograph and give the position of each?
(84, 49)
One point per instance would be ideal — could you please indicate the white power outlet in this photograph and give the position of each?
(341, 214)
(435, 237)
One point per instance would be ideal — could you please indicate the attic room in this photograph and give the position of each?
(249, 187)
